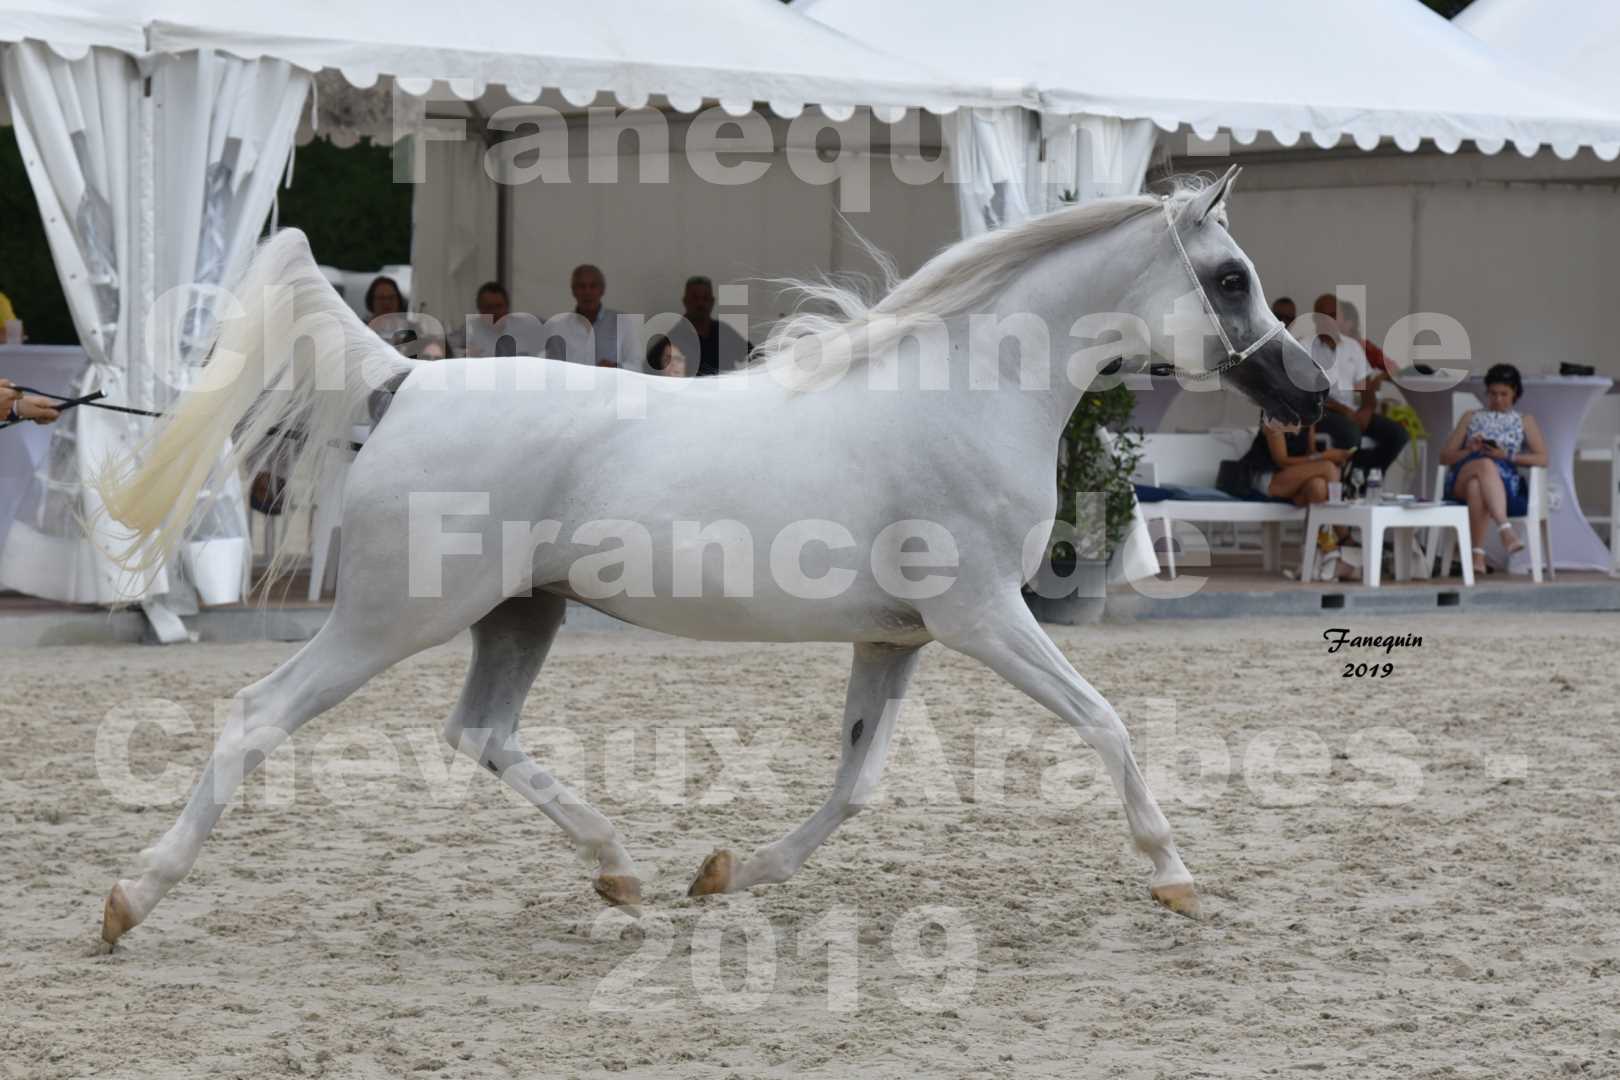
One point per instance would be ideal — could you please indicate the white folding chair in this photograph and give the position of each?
(1538, 532)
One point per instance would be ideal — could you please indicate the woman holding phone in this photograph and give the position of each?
(1485, 452)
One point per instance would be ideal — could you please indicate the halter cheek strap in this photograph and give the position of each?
(1233, 356)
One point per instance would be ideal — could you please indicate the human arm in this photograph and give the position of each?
(1534, 451)
(1368, 399)
(1277, 444)
(1455, 447)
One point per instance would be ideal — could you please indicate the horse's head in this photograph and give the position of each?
(1278, 375)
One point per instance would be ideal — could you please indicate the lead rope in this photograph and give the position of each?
(1233, 356)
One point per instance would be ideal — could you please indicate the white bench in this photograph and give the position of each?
(1194, 461)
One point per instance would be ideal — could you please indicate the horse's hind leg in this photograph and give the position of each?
(509, 645)
(877, 682)
(332, 665)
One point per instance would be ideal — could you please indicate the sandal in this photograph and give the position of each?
(1510, 538)
(1480, 565)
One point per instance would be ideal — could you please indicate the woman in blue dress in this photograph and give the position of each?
(1485, 453)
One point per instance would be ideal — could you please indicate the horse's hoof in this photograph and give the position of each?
(1181, 899)
(714, 876)
(619, 890)
(117, 917)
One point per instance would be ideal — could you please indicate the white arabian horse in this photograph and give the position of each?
(925, 418)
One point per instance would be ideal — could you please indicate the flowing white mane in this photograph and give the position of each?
(810, 348)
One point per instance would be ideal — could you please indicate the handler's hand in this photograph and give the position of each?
(33, 407)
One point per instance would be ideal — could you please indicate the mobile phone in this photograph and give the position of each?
(1493, 444)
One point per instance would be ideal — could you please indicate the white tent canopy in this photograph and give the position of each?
(735, 51)
(1577, 38)
(1367, 69)
(1015, 161)
(153, 131)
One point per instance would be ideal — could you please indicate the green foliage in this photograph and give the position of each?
(357, 218)
(27, 274)
(347, 203)
(1085, 466)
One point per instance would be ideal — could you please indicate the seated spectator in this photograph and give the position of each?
(1352, 404)
(597, 335)
(16, 405)
(664, 357)
(1350, 317)
(492, 303)
(386, 312)
(383, 297)
(720, 347)
(7, 315)
(1284, 463)
(1485, 451)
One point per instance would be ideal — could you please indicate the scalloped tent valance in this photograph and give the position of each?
(736, 52)
(1364, 69)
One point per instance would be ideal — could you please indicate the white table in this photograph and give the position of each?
(1375, 519)
(1560, 404)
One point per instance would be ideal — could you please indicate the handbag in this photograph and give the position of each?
(1233, 478)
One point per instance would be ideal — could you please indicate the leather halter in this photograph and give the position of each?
(1233, 356)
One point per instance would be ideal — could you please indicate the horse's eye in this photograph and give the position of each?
(1233, 282)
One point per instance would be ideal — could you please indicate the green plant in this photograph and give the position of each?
(1093, 474)
(1406, 416)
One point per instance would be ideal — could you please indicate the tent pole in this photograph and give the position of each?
(503, 218)
(503, 204)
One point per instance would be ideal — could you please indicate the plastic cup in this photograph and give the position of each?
(1335, 491)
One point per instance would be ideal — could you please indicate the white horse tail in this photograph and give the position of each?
(252, 408)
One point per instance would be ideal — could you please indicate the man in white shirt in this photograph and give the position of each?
(1351, 409)
(482, 336)
(592, 333)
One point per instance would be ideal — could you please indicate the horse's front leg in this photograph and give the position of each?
(1005, 637)
(877, 683)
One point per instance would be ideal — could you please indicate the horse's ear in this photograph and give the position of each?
(1211, 200)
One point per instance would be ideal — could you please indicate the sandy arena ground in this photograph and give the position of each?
(1412, 876)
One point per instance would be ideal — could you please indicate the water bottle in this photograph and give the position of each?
(1375, 485)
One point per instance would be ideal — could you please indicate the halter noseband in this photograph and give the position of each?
(1233, 356)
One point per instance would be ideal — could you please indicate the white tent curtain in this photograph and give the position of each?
(1094, 157)
(1009, 164)
(143, 192)
(994, 166)
(453, 224)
